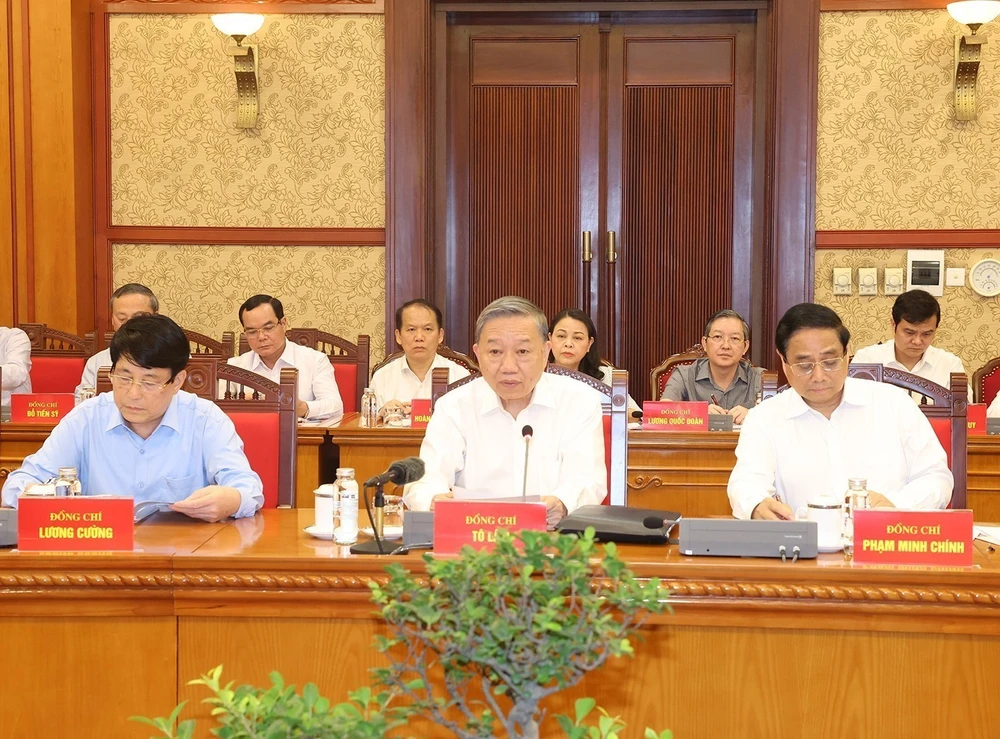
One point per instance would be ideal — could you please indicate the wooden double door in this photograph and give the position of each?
(604, 162)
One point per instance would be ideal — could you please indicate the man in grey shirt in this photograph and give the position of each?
(723, 379)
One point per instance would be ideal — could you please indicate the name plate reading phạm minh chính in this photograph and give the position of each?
(420, 413)
(458, 523)
(670, 415)
(77, 524)
(890, 536)
(40, 407)
(977, 419)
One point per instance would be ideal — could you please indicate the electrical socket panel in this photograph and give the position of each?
(893, 282)
(954, 277)
(867, 281)
(841, 280)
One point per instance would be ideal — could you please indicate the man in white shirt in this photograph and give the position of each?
(15, 363)
(419, 333)
(264, 324)
(127, 302)
(474, 438)
(915, 318)
(826, 428)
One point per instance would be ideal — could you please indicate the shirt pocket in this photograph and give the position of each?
(181, 487)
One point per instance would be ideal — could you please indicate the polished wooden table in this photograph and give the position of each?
(675, 471)
(18, 440)
(754, 648)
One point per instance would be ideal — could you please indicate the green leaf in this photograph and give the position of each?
(583, 706)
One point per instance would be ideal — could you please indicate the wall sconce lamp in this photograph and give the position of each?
(239, 26)
(972, 13)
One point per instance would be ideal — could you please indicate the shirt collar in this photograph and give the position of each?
(439, 361)
(543, 394)
(855, 394)
(931, 356)
(171, 418)
(287, 356)
(703, 371)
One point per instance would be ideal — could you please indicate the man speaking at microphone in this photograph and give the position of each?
(475, 437)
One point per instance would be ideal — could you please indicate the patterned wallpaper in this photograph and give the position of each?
(338, 289)
(316, 158)
(968, 322)
(890, 153)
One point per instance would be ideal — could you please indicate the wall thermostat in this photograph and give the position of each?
(925, 270)
(984, 277)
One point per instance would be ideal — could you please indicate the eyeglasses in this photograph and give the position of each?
(804, 369)
(125, 383)
(720, 339)
(267, 329)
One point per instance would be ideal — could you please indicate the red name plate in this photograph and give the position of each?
(976, 418)
(420, 413)
(893, 537)
(40, 407)
(78, 524)
(668, 415)
(459, 523)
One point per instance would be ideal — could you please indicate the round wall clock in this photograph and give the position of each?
(984, 277)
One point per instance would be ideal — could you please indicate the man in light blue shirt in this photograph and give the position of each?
(148, 438)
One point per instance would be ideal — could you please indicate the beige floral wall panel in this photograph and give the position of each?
(968, 322)
(337, 289)
(890, 153)
(316, 158)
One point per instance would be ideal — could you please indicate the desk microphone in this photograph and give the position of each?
(526, 432)
(400, 472)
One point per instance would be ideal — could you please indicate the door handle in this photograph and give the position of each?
(588, 254)
(612, 255)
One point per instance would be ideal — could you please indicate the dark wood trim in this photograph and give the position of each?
(249, 236)
(29, 199)
(103, 268)
(409, 151)
(915, 239)
(107, 7)
(830, 5)
(794, 25)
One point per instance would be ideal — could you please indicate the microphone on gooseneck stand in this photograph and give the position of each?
(400, 472)
(526, 433)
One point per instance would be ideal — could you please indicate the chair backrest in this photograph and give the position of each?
(200, 344)
(948, 414)
(659, 375)
(57, 357)
(986, 381)
(350, 361)
(614, 405)
(463, 360)
(263, 413)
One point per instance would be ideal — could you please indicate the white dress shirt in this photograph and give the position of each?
(89, 378)
(15, 363)
(876, 432)
(396, 381)
(317, 385)
(936, 365)
(473, 443)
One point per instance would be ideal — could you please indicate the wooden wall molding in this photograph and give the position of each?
(832, 5)
(248, 236)
(238, 6)
(910, 239)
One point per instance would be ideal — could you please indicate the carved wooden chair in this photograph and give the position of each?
(350, 361)
(659, 375)
(947, 416)
(263, 413)
(986, 381)
(201, 345)
(614, 404)
(57, 357)
(447, 352)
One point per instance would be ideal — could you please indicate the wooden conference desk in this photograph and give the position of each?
(676, 471)
(754, 648)
(18, 440)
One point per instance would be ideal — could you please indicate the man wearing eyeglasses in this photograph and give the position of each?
(827, 427)
(148, 438)
(264, 324)
(723, 379)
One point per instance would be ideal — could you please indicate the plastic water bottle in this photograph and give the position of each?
(367, 403)
(68, 484)
(346, 531)
(83, 394)
(856, 499)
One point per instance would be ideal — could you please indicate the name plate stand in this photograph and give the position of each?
(889, 536)
(669, 415)
(420, 413)
(40, 407)
(459, 523)
(976, 419)
(77, 524)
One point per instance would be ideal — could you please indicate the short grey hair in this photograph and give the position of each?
(728, 313)
(511, 306)
(134, 288)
